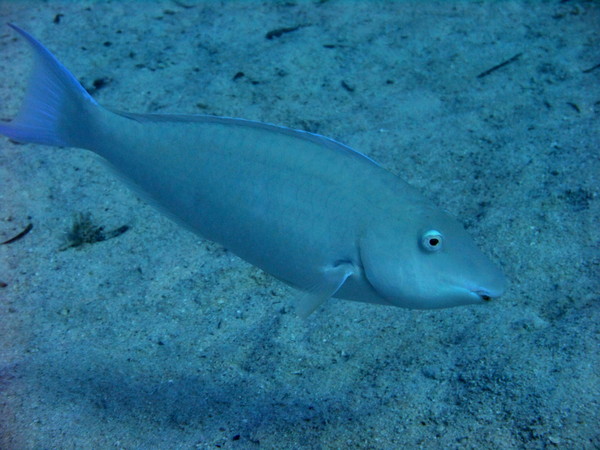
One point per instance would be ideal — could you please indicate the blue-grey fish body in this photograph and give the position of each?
(304, 208)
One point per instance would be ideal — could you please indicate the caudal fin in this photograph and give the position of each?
(56, 110)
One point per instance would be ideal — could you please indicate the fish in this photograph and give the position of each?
(312, 212)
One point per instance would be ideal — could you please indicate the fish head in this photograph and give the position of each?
(426, 260)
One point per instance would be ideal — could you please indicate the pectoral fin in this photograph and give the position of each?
(332, 280)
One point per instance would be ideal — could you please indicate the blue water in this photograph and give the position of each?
(158, 339)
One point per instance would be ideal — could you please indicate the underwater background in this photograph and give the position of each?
(120, 329)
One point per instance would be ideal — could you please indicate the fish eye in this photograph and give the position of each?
(432, 240)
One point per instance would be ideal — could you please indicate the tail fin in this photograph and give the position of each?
(56, 109)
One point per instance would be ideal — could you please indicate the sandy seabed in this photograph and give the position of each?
(159, 339)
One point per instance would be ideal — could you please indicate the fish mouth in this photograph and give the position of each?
(485, 295)
(490, 290)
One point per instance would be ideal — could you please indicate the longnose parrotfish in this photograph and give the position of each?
(312, 212)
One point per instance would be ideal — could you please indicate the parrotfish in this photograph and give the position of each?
(309, 210)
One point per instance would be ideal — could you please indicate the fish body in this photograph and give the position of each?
(311, 211)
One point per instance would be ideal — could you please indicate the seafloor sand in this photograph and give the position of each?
(158, 339)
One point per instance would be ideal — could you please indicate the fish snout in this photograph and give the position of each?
(485, 295)
(491, 292)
